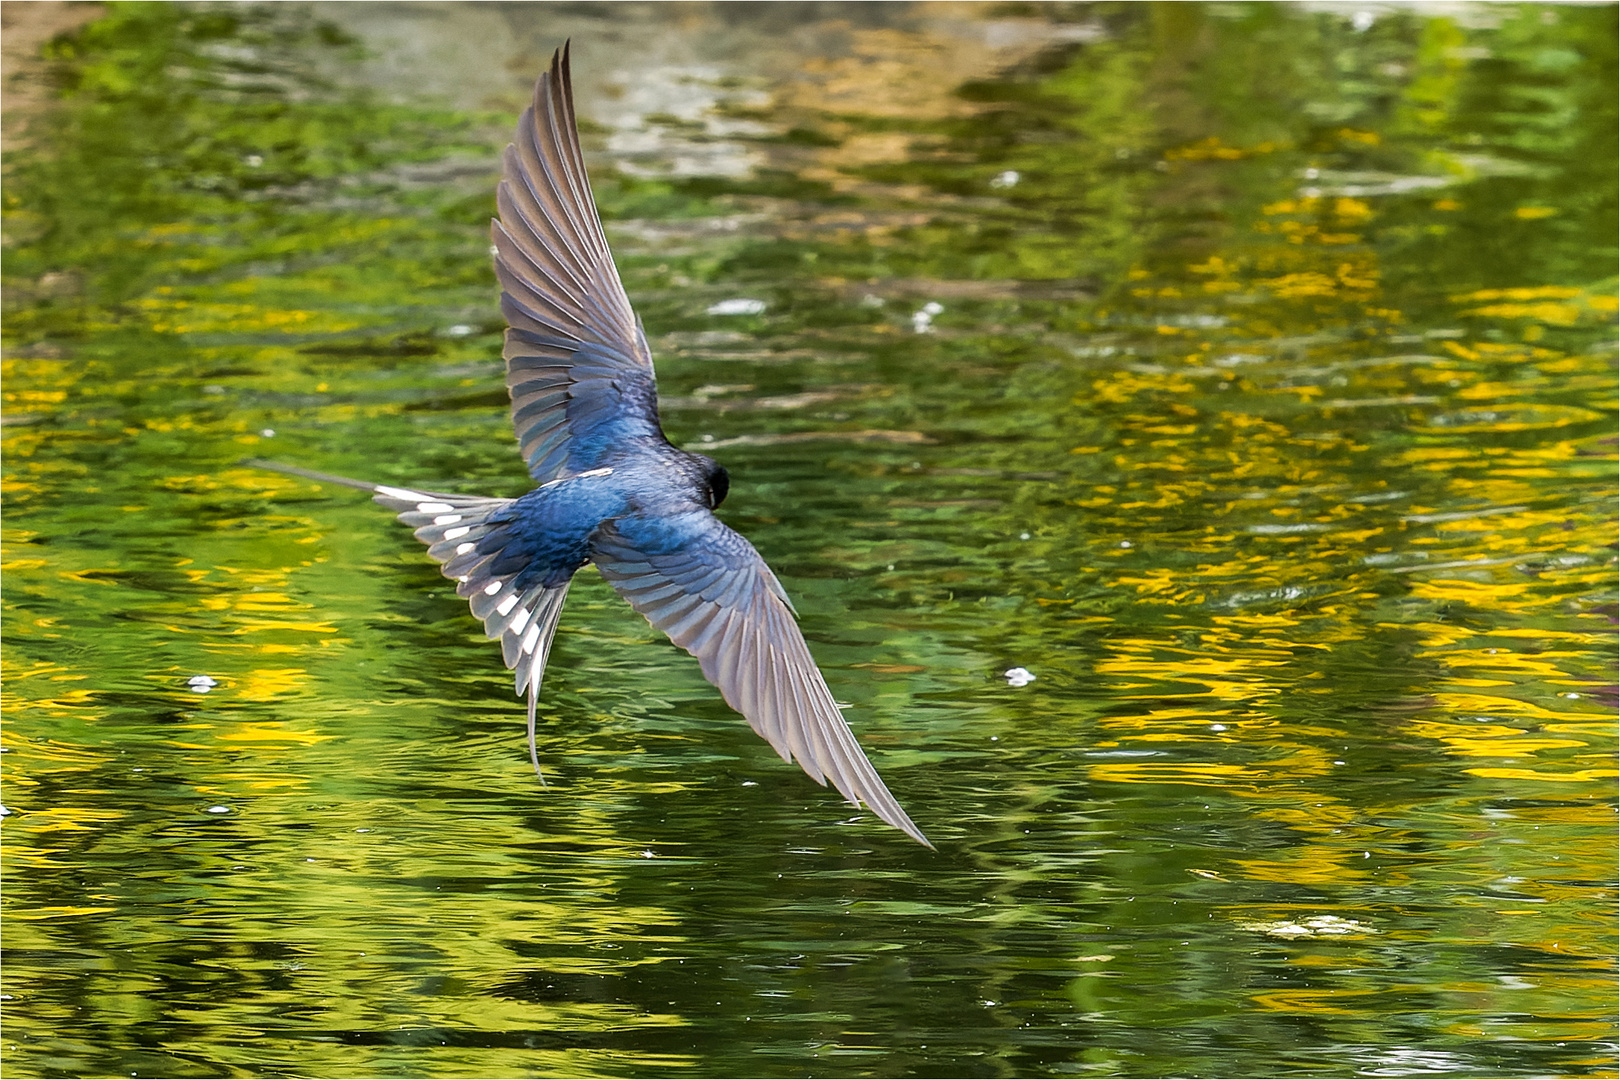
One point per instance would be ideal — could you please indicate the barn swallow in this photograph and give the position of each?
(612, 490)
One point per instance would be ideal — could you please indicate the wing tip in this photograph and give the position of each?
(890, 813)
(888, 810)
(558, 84)
(904, 823)
(916, 834)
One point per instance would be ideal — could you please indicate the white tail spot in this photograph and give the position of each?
(519, 621)
(462, 549)
(493, 587)
(506, 605)
(434, 508)
(458, 531)
(397, 493)
(447, 519)
(531, 637)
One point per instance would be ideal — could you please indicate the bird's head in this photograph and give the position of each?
(713, 478)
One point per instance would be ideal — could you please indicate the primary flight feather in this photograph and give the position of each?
(612, 490)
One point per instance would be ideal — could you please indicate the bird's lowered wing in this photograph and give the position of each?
(577, 363)
(709, 590)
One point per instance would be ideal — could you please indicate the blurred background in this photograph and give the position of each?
(1244, 373)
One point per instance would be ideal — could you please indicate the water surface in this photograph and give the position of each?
(1244, 373)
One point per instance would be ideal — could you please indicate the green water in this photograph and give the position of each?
(1265, 415)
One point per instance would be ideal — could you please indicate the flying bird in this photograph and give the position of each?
(612, 490)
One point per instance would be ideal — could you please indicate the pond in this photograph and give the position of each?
(1242, 372)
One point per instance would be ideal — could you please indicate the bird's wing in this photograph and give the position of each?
(709, 590)
(577, 362)
(468, 536)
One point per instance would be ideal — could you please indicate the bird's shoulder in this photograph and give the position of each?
(663, 526)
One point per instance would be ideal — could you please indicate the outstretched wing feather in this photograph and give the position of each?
(578, 367)
(716, 598)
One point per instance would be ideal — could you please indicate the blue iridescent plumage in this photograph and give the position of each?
(612, 490)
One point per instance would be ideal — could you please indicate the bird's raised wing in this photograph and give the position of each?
(709, 590)
(577, 362)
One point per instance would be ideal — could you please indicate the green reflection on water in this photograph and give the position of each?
(1266, 416)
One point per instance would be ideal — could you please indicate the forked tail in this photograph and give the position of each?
(468, 536)
(308, 474)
